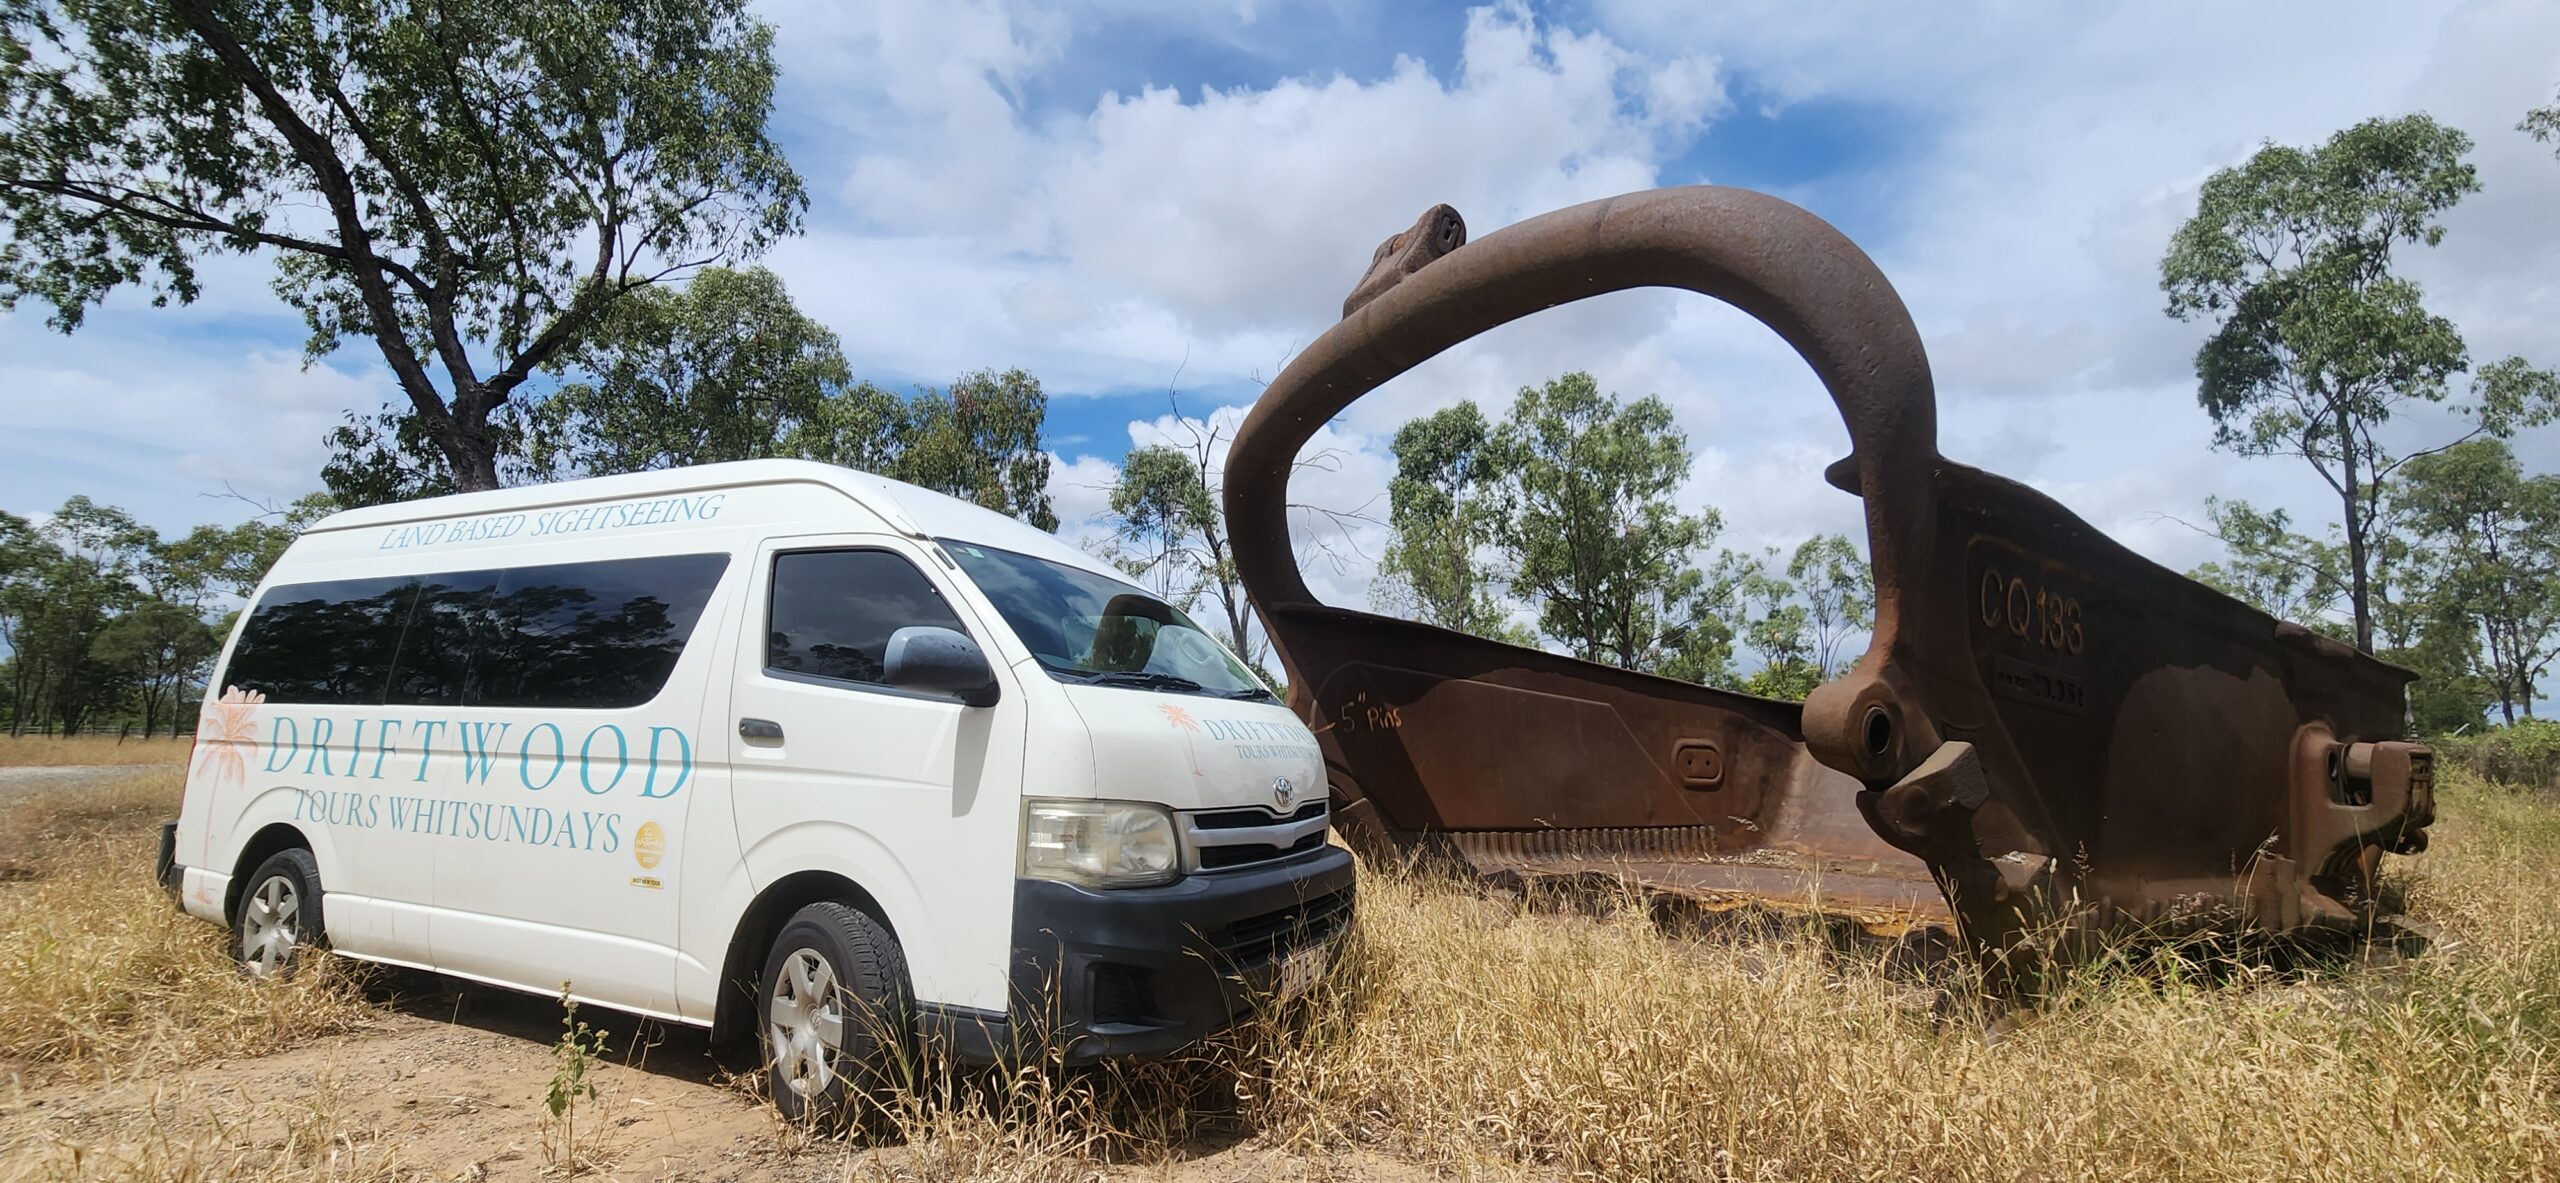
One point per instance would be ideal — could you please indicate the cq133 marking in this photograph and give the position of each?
(2026, 609)
(2031, 611)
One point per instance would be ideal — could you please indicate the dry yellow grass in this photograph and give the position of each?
(101, 976)
(1607, 1050)
(22, 750)
(1479, 1038)
(1489, 1039)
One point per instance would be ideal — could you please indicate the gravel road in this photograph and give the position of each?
(15, 782)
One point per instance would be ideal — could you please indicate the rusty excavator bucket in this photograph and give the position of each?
(2047, 732)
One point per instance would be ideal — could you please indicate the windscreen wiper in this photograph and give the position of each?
(1136, 678)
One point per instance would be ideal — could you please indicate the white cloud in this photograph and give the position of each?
(157, 429)
(1215, 231)
(1199, 237)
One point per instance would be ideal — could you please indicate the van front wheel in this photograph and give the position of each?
(837, 1018)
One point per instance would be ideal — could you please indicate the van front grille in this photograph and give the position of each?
(1245, 819)
(1228, 839)
(1219, 858)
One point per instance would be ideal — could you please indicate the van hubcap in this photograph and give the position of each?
(804, 1023)
(271, 927)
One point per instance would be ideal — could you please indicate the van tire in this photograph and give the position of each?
(836, 1018)
(279, 927)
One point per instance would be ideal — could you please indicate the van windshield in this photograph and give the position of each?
(1090, 628)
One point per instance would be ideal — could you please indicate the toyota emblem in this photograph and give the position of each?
(1283, 794)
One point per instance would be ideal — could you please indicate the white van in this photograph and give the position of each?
(770, 744)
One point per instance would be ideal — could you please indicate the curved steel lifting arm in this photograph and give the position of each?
(1785, 267)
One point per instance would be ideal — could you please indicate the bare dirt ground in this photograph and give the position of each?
(449, 1083)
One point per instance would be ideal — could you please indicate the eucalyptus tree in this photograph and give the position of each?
(1838, 593)
(2272, 567)
(978, 440)
(2494, 533)
(466, 184)
(2318, 344)
(1587, 520)
(724, 367)
(1440, 516)
(1168, 530)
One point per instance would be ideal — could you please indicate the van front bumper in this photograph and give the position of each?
(1143, 971)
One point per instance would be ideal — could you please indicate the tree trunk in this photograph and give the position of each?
(468, 448)
(2360, 592)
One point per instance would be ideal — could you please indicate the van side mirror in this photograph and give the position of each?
(939, 660)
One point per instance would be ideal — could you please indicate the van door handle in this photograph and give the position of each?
(759, 729)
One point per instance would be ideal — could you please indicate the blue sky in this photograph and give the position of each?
(1139, 196)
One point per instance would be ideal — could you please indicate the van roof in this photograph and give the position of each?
(911, 509)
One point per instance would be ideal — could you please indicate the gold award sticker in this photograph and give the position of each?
(649, 845)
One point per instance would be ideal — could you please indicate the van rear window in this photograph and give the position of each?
(576, 635)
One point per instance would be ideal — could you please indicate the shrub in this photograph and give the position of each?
(2525, 752)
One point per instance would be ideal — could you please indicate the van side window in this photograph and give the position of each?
(440, 653)
(592, 634)
(833, 610)
(596, 635)
(327, 644)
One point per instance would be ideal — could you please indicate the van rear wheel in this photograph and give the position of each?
(837, 1017)
(278, 927)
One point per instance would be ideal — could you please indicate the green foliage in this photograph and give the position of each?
(2494, 550)
(1586, 515)
(388, 456)
(156, 644)
(1758, 604)
(2526, 752)
(466, 184)
(2543, 123)
(1568, 505)
(578, 1050)
(1165, 505)
(2284, 574)
(727, 367)
(2317, 344)
(979, 441)
(1837, 594)
(2450, 695)
(101, 618)
(1162, 505)
(1440, 516)
(724, 368)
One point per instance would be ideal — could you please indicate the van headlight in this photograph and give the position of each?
(1099, 843)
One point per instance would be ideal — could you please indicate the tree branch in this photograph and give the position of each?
(354, 241)
(175, 217)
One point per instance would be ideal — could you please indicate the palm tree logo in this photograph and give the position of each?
(1188, 726)
(228, 727)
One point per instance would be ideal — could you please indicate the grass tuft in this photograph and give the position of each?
(100, 975)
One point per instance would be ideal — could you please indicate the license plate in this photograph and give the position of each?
(1299, 972)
